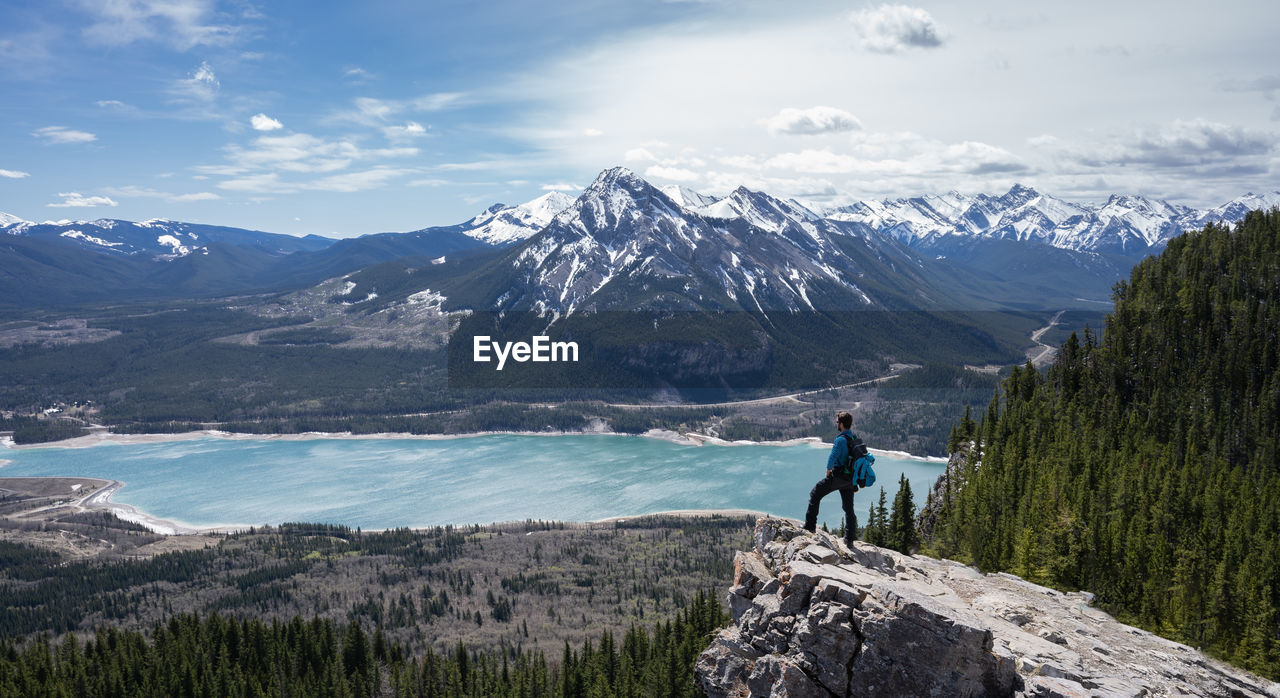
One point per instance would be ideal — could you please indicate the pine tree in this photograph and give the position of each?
(902, 520)
(877, 524)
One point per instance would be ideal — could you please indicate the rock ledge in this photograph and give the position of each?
(812, 617)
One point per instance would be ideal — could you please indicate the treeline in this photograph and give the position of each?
(1144, 467)
(504, 416)
(217, 656)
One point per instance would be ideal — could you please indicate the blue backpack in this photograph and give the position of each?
(859, 463)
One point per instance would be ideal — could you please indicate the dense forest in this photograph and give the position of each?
(217, 656)
(1143, 467)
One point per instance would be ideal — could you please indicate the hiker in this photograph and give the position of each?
(839, 477)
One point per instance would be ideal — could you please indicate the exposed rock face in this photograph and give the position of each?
(951, 478)
(815, 618)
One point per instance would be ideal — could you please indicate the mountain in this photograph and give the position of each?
(72, 262)
(1133, 226)
(687, 197)
(503, 225)
(158, 238)
(764, 293)
(624, 244)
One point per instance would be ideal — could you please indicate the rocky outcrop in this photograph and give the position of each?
(812, 617)
(951, 479)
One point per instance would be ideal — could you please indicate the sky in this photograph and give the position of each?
(341, 118)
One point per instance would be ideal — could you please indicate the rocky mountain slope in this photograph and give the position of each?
(812, 617)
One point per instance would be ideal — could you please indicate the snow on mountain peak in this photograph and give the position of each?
(686, 197)
(501, 224)
(7, 220)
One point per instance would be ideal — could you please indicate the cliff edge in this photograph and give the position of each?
(812, 617)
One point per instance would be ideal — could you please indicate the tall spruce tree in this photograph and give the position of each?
(902, 534)
(877, 531)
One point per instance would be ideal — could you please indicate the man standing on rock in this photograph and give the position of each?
(839, 477)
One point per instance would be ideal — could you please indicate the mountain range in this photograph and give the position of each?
(684, 249)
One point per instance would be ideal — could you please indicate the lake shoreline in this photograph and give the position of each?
(104, 438)
(99, 499)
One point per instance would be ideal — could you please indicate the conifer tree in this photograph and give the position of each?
(902, 520)
(877, 524)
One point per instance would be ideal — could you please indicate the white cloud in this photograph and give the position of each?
(133, 191)
(439, 101)
(196, 196)
(270, 182)
(262, 122)
(62, 135)
(357, 74)
(1194, 147)
(561, 186)
(812, 121)
(410, 129)
(894, 28)
(358, 181)
(281, 163)
(183, 24)
(639, 155)
(13, 174)
(674, 174)
(201, 85)
(374, 108)
(75, 200)
(379, 113)
(592, 132)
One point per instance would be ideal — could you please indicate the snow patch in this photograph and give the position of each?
(79, 235)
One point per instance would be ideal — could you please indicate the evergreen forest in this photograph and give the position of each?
(1143, 467)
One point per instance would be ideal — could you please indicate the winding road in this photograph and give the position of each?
(1042, 353)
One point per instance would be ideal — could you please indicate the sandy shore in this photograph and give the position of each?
(100, 500)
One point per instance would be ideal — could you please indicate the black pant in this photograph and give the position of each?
(824, 488)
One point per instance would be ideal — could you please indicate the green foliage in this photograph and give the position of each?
(190, 655)
(877, 531)
(1145, 467)
(39, 431)
(900, 533)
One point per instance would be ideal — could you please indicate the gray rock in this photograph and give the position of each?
(813, 617)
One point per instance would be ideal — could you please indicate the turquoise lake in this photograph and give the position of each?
(389, 482)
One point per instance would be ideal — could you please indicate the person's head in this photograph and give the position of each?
(844, 420)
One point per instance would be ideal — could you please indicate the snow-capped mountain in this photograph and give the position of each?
(7, 220)
(625, 244)
(502, 225)
(687, 197)
(1124, 224)
(1235, 209)
(157, 238)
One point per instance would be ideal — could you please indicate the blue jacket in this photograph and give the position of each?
(839, 450)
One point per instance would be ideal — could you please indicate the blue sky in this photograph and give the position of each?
(349, 118)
